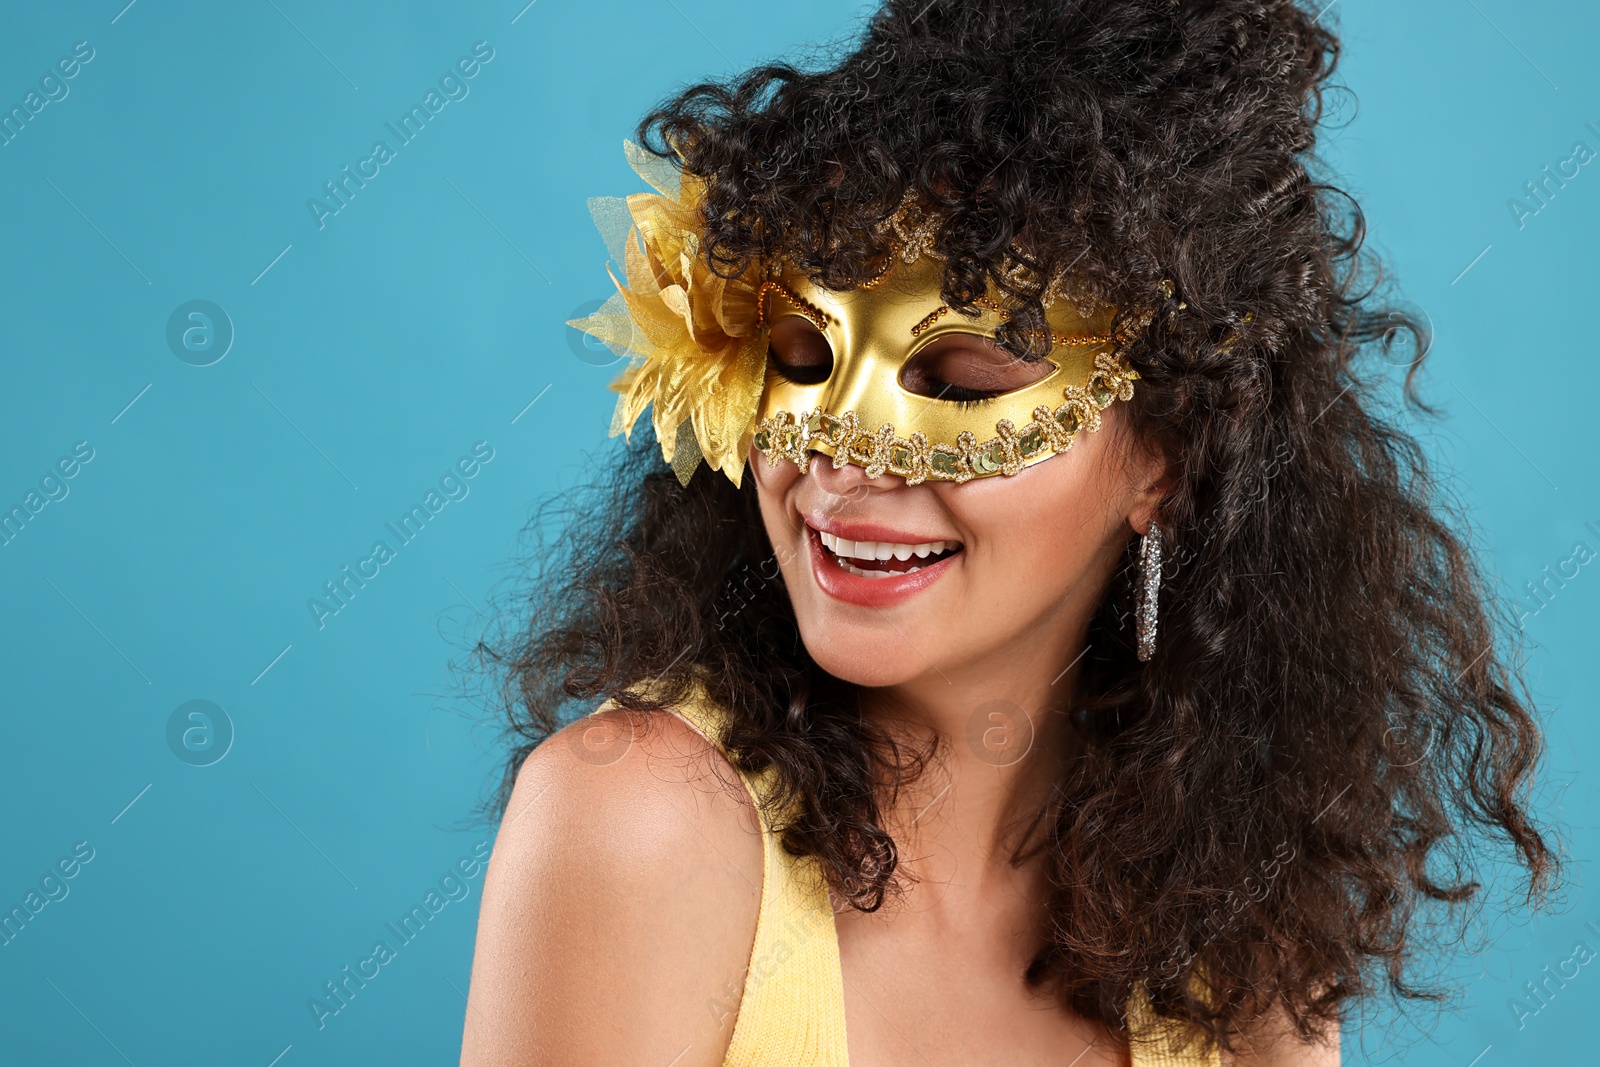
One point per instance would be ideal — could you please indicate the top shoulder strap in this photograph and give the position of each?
(706, 716)
(1157, 1042)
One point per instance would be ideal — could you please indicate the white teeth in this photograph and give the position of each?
(882, 550)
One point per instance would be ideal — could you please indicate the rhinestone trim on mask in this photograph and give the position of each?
(793, 436)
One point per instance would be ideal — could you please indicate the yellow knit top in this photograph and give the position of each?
(792, 1010)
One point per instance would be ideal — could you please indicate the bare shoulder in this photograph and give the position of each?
(620, 905)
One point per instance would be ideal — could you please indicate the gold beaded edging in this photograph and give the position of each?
(929, 319)
(1066, 340)
(788, 436)
(818, 317)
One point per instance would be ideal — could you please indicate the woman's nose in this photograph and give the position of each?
(850, 479)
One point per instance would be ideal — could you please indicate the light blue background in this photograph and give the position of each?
(425, 317)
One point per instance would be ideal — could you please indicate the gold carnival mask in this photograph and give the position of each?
(699, 344)
(863, 413)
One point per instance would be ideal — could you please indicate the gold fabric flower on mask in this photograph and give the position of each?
(697, 349)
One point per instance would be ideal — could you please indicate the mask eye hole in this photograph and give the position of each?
(968, 368)
(799, 352)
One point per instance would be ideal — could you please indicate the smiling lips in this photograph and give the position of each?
(877, 572)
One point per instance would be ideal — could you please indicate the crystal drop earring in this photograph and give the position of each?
(1148, 590)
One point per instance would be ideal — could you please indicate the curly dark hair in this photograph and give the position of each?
(1331, 731)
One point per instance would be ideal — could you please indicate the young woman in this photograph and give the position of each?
(1081, 672)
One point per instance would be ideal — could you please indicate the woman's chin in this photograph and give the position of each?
(872, 660)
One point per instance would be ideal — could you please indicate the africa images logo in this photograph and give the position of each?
(453, 485)
(452, 87)
(454, 885)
